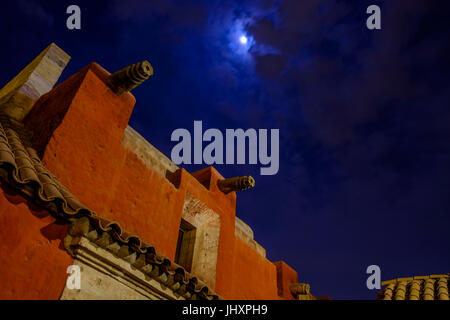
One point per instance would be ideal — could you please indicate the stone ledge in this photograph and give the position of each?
(245, 233)
(147, 153)
(112, 277)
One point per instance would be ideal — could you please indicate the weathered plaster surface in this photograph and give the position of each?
(18, 96)
(206, 247)
(245, 233)
(147, 153)
(107, 277)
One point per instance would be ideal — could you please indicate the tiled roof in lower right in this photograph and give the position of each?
(433, 287)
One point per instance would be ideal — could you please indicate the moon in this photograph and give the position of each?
(243, 39)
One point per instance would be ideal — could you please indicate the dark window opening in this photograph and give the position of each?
(185, 245)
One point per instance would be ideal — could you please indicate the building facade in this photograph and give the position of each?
(80, 187)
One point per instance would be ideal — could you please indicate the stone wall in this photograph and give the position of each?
(245, 233)
(104, 276)
(206, 246)
(147, 153)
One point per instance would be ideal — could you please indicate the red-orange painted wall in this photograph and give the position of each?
(253, 277)
(285, 276)
(33, 262)
(78, 129)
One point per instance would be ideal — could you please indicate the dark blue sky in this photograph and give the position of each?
(363, 115)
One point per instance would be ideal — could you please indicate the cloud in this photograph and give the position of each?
(178, 13)
(34, 10)
(271, 65)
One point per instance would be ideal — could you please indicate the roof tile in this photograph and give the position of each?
(433, 287)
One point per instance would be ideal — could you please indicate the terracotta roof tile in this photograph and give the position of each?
(21, 167)
(432, 287)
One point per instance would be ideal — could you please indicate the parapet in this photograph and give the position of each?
(19, 95)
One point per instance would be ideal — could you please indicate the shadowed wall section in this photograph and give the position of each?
(33, 261)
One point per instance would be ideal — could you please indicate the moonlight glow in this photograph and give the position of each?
(238, 40)
(243, 39)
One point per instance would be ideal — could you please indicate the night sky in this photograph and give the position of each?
(364, 116)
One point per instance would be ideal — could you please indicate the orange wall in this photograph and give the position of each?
(33, 262)
(253, 277)
(78, 129)
(285, 276)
